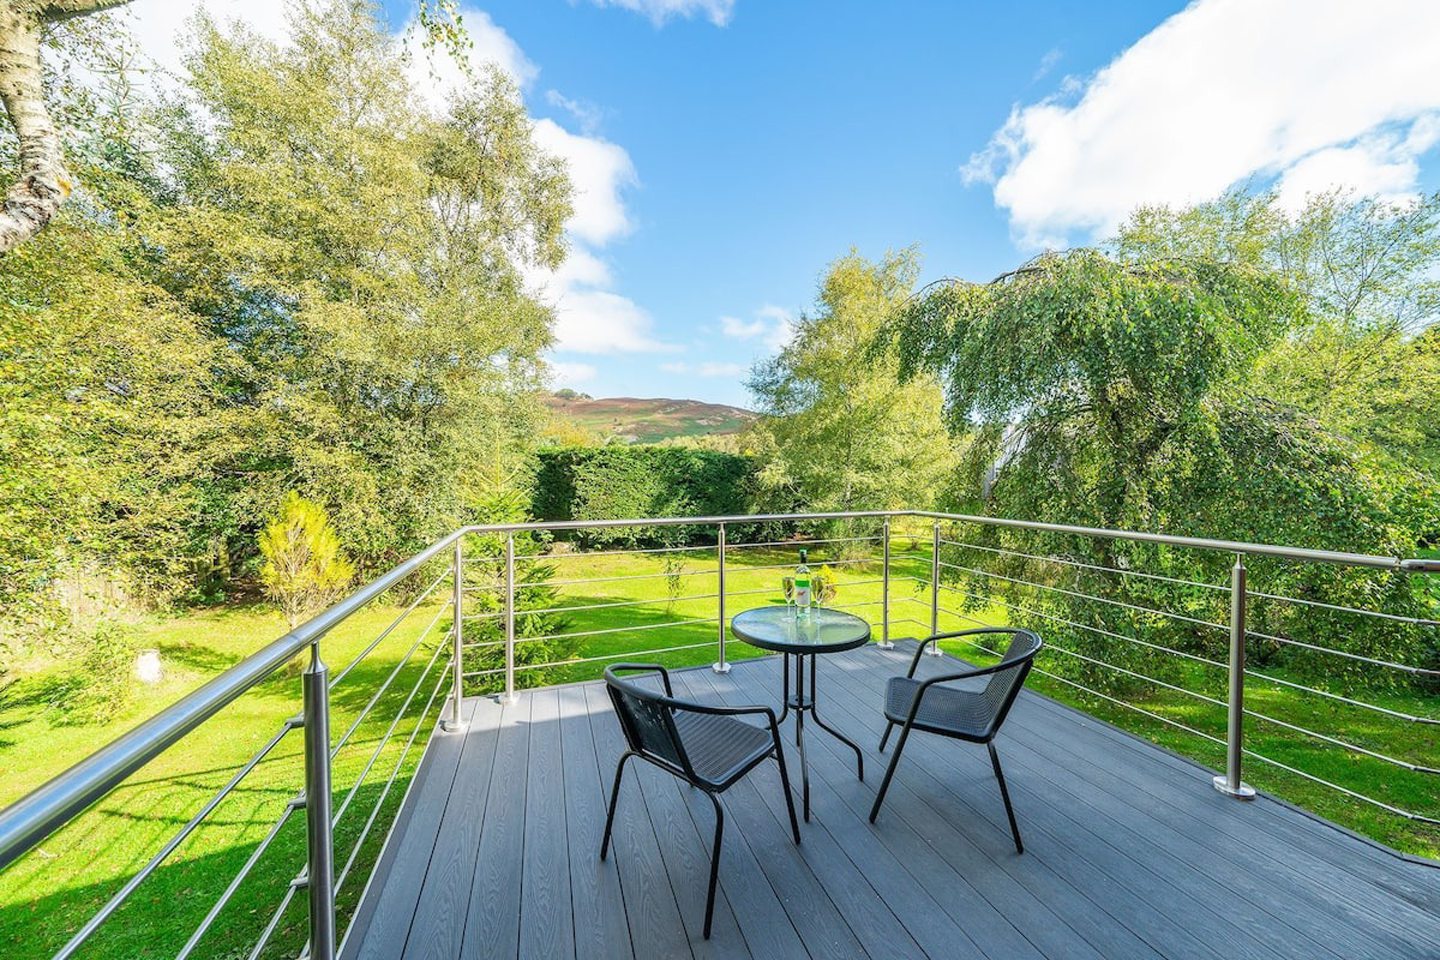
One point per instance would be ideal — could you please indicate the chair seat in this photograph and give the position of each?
(944, 709)
(721, 748)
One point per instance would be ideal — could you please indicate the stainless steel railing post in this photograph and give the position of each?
(721, 665)
(885, 643)
(454, 721)
(509, 696)
(934, 648)
(320, 860)
(1231, 783)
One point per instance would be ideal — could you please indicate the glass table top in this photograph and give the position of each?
(785, 629)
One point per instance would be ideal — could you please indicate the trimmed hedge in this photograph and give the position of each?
(618, 482)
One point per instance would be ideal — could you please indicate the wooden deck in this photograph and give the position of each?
(1129, 852)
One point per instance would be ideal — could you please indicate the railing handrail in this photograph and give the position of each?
(45, 809)
(1410, 565)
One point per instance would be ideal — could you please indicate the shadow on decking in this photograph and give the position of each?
(1129, 851)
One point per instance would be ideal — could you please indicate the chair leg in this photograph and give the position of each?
(889, 725)
(714, 862)
(785, 785)
(614, 799)
(1005, 795)
(889, 772)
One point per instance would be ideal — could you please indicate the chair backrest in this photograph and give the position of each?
(648, 722)
(1003, 686)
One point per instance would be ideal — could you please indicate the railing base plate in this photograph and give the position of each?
(1243, 792)
(507, 699)
(450, 726)
(720, 667)
(884, 644)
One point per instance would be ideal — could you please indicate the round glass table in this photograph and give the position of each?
(792, 633)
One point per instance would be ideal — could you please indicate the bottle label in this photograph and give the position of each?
(802, 591)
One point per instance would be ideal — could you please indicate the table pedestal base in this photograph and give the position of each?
(801, 704)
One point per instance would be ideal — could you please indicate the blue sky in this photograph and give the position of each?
(727, 150)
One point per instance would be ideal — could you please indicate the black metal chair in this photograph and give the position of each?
(706, 746)
(972, 715)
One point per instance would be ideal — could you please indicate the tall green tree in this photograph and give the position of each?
(288, 275)
(362, 259)
(1369, 273)
(43, 182)
(838, 433)
(1124, 395)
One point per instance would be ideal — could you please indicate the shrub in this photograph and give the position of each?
(102, 683)
(304, 570)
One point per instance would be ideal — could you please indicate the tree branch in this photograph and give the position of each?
(43, 183)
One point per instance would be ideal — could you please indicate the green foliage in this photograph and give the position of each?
(536, 628)
(282, 275)
(673, 565)
(838, 433)
(826, 585)
(1124, 395)
(103, 681)
(620, 482)
(304, 570)
(1366, 362)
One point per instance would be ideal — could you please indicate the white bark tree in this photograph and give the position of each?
(42, 183)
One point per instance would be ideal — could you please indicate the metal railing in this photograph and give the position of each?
(493, 579)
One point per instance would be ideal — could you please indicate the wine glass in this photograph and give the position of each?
(788, 584)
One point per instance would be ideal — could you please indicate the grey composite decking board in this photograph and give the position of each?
(1129, 852)
(546, 921)
(1288, 825)
(492, 919)
(1313, 904)
(1123, 888)
(1039, 918)
(597, 904)
(1310, 904)
(927, 920)
(445, 890)
(656, 927)
(1113, 925)
(382, 921)
(1240, 858)
(873, 924)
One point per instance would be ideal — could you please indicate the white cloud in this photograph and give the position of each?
(572, 374)
(589, 320)
(599, 171)
(773, 326)
(717, 12)
(590, 316)
(1047, 63)
(1328, 93)
(743, 329)
(587, 114)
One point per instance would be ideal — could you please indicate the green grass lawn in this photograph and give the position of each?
(50, 892)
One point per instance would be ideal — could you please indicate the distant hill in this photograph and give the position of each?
(649, 420)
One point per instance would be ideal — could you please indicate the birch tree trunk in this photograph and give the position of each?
(42, 183)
